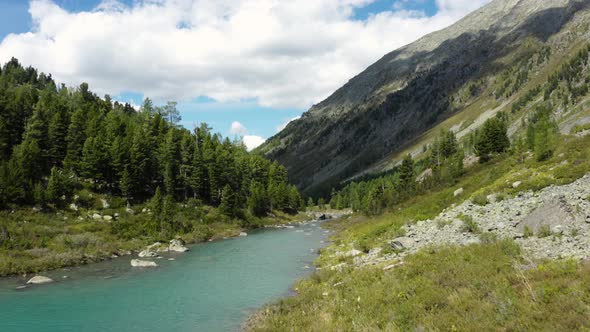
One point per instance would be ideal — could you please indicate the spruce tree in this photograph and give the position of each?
(228, 202)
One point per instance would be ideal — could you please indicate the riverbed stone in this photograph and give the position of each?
(38, 280)
(142, 263)
(147, 253)
(177, 245)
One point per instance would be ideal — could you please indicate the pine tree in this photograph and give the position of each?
(228, 202)
(406, 173)
(75, 140)
(57, 133)
(157, 204)
(59, 185)
(257, 200)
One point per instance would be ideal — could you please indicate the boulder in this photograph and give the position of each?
(458, 192)
(516, 184)
(177, 246)
(424, 175)
(140, 263)
(554, 213)
(74, 207)
(96, 216)
(243, 234)
(402, 243)
(105, 204)
(38, 280)
(147, 253)
(107, 217)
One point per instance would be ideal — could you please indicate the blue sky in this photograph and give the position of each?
(260, 87)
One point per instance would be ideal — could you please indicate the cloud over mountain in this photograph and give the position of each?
(282, 53)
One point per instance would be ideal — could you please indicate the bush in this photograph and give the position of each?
(469, 225)
(480, 199)
(544, 231)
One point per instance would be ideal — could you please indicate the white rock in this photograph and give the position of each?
(177, 246)
(140, 263)
(516, 184)
(458, 192)
(96, 216)
(107, 217)
(243, 234)
(105, 204)
(353, 253)
(38, 280)
(73, 207)
(147, 253)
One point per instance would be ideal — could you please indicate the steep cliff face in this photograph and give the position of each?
(389, 106)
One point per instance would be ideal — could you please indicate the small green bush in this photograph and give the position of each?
(528, 232)
(469, 225)
(544, 231)
(480, 199)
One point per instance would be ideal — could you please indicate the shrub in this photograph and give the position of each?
(528, 232)
(480, 199)
(469, 225)
(544, 231)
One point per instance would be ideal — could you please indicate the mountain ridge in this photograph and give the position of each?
(409, 91)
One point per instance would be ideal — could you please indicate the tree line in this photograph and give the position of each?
(442, 165)
(55, 140)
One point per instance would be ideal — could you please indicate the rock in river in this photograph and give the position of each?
(140, 263)
(37, 280)
(147, 253)
(177, 245)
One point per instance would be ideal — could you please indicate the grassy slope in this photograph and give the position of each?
(486, 103)
(481, 287)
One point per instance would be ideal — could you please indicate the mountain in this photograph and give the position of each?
(454, 79)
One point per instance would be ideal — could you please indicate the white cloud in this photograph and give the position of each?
(252, 141)
(284, 124)
(238, 129)
(283, 53)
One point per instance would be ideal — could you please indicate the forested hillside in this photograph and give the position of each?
(69, 154)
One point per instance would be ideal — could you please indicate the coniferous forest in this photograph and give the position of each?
(54, 140)
(66, 150)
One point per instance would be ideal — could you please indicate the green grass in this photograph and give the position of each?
(480, 287)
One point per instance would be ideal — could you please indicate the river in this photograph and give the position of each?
(214, 287)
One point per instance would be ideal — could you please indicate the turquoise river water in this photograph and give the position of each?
(214, 287)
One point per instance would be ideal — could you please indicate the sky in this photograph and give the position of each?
(245, 67)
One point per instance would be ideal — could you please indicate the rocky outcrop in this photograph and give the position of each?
(38, 280)
(142, 263)
(177, 245)
(551, 223)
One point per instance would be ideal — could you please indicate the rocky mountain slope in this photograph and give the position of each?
(483, 64)
(550, 223)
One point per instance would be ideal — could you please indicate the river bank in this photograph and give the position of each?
(214, 287)
(34, 241)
